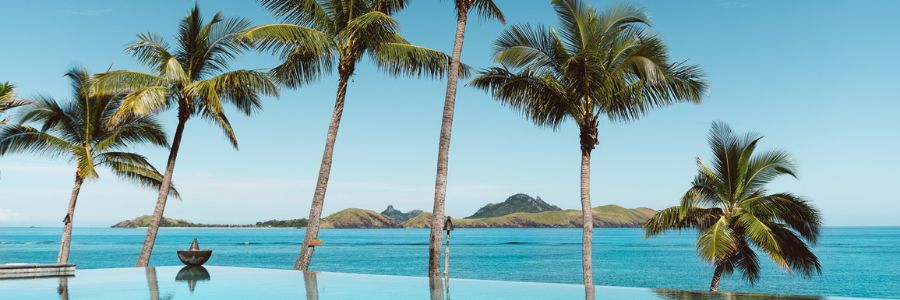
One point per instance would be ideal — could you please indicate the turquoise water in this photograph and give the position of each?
(250, 283)
(857, 262)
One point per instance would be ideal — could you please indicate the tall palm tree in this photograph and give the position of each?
(317, 35)
(598, 64)
(735, 215)
(486, 9)
(194, 78)
(82, 131)
(8, 99)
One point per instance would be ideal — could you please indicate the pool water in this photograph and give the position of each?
(214, 282)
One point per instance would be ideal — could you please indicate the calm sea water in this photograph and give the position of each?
(858, 262)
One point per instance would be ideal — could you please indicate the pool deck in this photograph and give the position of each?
(12, 271)
(216, 282)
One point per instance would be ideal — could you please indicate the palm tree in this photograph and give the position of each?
(487, 9)
(8, 99)
(317, 35)
(195, 79)
(735, 215)
(598, 64)
(82, 131)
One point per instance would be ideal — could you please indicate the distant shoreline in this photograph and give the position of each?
(458, 228)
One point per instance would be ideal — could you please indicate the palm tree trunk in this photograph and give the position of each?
(587, 219)
(440, 182)
(153, 227)
(66, 241)
(714, 285)
(315, 210)
(588, 139)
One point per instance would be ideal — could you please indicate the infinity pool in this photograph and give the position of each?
(251, 283)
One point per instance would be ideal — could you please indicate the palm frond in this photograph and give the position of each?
(717, 242)
(307, 54)
(303, 12)
(541, 99)
(21, 139)
(151, 50)
(135, 168)
(242, 88)
(487, 9)
(525, 46)
(404, 59)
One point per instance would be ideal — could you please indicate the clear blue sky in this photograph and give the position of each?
(817, 78)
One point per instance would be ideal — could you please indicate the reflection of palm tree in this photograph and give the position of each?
(436, 288)
(312, 285)
(692, 295)
(152, 283)
(63, 288)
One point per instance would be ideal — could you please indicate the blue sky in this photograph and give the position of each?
(817, 78)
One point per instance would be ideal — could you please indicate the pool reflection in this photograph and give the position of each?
(694, 295)
(192, 274)
(245, 283)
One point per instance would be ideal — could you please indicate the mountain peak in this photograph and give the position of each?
(514, 204)
(398, 215)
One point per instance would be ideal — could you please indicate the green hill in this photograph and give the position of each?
(144, 221)
(514, 204)
(604, 216)
(358, 218)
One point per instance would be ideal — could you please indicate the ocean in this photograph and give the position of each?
(857, 261)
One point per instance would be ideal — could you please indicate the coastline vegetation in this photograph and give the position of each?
(144, 221)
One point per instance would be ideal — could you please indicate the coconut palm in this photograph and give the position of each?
(729, 206)
(192, 77)
(486, 9)
(81, 130)
(596, 64)
(8, 99)
(316, 36)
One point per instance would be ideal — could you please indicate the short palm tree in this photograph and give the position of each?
(729, 206)
(194, 78)
(317, 35)
(486, 9)
(599, 64)
(8, 99)
(82, 131)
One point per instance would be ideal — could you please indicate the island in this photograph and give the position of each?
(143, 221)
(517, 211)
